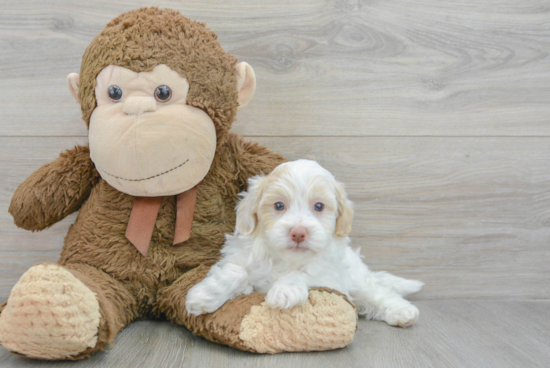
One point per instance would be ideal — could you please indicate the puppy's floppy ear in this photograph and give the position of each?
(345, 212)
(247, 208)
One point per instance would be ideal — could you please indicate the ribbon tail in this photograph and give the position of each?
(142, 222)
(186, 202)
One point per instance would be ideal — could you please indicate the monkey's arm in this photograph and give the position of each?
(55, 190)
(252, 159)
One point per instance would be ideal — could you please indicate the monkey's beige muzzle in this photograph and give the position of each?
(138, 105)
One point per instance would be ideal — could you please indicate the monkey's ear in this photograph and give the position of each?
(246, 83)
(73, 82)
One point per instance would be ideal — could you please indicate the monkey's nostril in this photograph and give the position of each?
(139, 105)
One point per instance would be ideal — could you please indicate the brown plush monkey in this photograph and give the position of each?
(159, 95)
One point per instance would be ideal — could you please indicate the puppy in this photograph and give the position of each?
(291, 235)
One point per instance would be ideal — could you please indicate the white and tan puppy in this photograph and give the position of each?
(292, 235)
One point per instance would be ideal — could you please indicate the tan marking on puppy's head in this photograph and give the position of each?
(260, 190)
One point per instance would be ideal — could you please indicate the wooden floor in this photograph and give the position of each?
(435, 113)
(450, 333)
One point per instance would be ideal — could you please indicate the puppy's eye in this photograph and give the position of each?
(279, 206)
(319, 207)
(163, 93)
(115, 93)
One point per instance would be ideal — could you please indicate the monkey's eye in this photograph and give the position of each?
(163, 93)
(115, 93)
(319, 207)
(279, 206)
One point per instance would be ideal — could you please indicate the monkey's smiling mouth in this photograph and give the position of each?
(151, 177)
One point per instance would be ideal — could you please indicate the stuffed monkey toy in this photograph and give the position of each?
(156, 190)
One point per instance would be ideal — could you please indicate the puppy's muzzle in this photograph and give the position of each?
(298, 234)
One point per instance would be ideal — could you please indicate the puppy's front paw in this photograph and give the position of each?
(202, 300)
(404, 316)
(286, 296)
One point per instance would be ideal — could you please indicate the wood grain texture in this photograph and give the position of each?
(324, 67)
(468, 216)
(449, 334)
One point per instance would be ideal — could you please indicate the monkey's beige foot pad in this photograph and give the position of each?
(50, 314)
(327, 321)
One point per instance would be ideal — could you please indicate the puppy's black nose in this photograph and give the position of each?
(298, 234)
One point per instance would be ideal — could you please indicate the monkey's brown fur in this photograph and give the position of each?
(142, 39)
(128, 285)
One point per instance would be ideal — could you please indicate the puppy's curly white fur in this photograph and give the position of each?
(292, 235)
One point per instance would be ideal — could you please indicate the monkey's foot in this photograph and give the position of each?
(326, 321)
(50, 314)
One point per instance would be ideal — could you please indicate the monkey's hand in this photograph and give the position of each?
(55, 190)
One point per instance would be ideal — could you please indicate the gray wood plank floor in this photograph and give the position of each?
(435, 113)
(449, 334)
